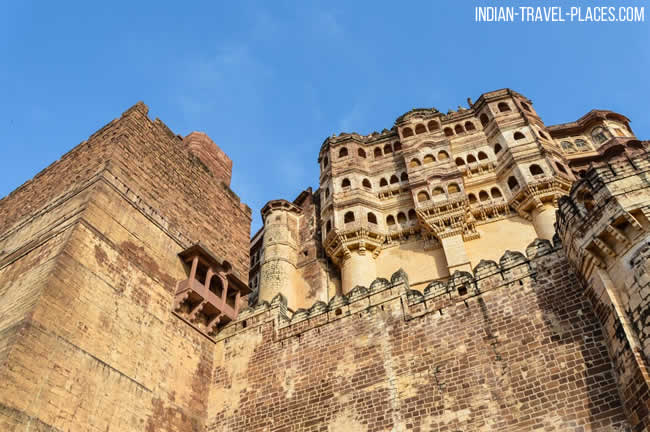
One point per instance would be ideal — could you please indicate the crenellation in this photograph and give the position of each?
(512, 267)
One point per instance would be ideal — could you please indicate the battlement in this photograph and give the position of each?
(512, 270)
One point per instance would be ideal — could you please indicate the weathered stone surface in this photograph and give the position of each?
(88, 271)
(520, 358)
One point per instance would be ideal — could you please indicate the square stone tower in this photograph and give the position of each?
(96, 332)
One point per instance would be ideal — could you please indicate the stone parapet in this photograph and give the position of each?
(513, 269)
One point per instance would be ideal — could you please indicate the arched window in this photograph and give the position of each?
(326, 162)
(362, 153)
(581, 143)
(428, 159)
(404, 177)
(433, 125)
(401, 218)
(345, 183)
(482, 156)
(503, 107)
(535, 169)
(472, 198)
(459, 129)
(497, 148)
(407, 132)
(469, 126)
(561, 168)
(484, 120)
(460, 161)
(483, 196)
(377, 152)
(327, 192)
(383, 182)
(366, 183)
(453, 188)
(423, 196)
(397, 146)
(372, 218)
(542, 134)
(349, 217)
(412, 215)
(388, 149)
(343, 152)
(394, 179)
(567, 146)
(420, 129)
(518, 136)
(390, 220)
(449, 131)
(513, 184)
(598, 135)
(525, 106)
(443, 155)
(496, 193)
(471, 159)
(414, 163)
(328, 227)
(438, 191)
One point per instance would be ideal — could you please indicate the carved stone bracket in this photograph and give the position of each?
(534, 195)
(339, 244)
(449, 218)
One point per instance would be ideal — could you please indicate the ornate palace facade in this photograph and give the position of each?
(434, 194)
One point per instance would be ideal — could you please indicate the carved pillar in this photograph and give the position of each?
(195, 263)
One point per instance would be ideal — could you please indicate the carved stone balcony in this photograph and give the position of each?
(543, 189)
(211, 295)
(448, 218)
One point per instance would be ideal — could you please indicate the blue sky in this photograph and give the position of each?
(268, 81)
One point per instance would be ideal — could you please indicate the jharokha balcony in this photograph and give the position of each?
(211, 295)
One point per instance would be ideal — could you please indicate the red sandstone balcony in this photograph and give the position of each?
(211, 295)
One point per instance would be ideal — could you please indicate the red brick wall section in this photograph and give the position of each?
(526, 354)
(631, 367)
